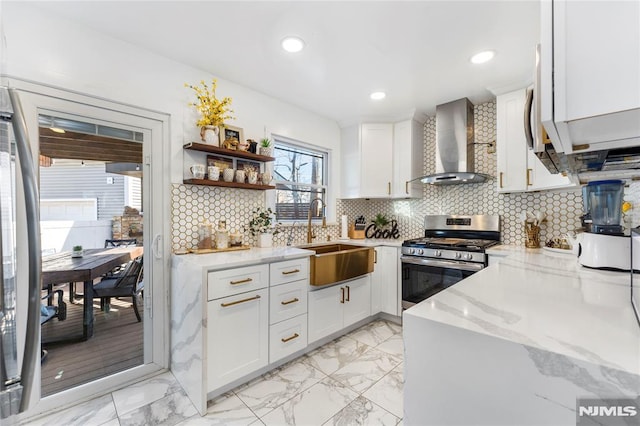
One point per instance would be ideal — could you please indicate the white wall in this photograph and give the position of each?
(61, 235)
(50, 50)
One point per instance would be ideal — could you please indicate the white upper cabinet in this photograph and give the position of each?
(408, 159)
(519, 170)
(590, 68)
(380, 159)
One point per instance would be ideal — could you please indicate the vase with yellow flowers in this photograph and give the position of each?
(213, 111)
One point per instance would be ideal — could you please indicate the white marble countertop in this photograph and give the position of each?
(548, 301)
(235, 259)
(367, 242)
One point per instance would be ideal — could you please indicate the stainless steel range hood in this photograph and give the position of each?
(454, 145)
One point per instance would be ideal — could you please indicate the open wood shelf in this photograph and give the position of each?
(203, 147)
(227, 184)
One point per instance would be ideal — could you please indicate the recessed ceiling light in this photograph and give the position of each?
(57, 129)
(292, 44)
(376, 96)
(482, 57)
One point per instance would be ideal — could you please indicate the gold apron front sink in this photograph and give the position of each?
(338, 262)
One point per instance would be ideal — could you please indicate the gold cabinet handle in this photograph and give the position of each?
(246, 280)
(342, 291)
(375, 256)
(529, 177)
(406, 187)
(501, 179)
(286, 339)
(295, 271)
(348, 293)
(226, 305)
(288, 302)
(389, 188)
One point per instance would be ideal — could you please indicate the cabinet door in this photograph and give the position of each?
(229, 282)
(511, 146)
(357, 304)
(408, 143)
(541, 179)
(288, 271)
(287, 337)
(389, 278)
(588, 84)
(237, 337)
(288, 300)
(376, 160)
(325, 312)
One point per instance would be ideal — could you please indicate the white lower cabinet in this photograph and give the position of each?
(238, 336)
(334, 308)
(384, 281)
(287, 337)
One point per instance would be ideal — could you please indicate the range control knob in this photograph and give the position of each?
(420, 251)
(437, 253)
(468, 256)
(412, 251)
(458, 255)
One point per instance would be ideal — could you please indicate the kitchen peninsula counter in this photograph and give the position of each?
(519, 341)
(236, 259)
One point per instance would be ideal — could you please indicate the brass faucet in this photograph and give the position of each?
(310, 234)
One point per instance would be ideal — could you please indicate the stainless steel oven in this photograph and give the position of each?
(452, 249)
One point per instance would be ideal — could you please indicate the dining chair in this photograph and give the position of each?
(120, 243)
(51, 311)
(128, 283)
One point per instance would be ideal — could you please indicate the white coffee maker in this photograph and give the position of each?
(604, 246)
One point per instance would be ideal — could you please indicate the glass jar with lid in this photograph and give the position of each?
(222, 235)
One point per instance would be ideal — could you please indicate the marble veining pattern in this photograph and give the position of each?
(316, 389)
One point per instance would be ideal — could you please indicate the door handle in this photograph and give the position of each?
(294, 271)
(501, 179)
(288, 302)
(529, 177)
(157, 247)
(342, 292)
(528, 106)
(348, 293)
(389, 188)
(406, 187)
(249, 299)
(286, 339)
(246, 280)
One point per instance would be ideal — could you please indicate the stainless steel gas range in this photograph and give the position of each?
(453, 247)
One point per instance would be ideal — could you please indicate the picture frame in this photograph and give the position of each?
(221, 162)
(230, 132)
(240, 165)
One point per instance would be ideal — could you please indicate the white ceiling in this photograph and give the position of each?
(417, 52)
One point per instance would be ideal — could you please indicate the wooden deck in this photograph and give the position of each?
(117, 344)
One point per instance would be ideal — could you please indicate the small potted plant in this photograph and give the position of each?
(266, 147)
(213, 111)
(77, 251)
(264, 226)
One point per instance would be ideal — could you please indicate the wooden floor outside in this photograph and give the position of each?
(116, 345)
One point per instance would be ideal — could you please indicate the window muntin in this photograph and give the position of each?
(300, 177)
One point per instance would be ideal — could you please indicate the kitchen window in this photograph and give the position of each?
(300, 175)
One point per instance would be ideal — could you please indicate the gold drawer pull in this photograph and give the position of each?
(246, 280)
(225, 305)
(288, 302)
(286, 339)
(295, 271)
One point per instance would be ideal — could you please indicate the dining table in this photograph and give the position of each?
(63, 268)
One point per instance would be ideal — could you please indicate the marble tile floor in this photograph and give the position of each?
(354, 380)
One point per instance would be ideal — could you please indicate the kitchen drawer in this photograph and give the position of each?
(287, 337)
(233, 281)
(289, 271)
(288, 300)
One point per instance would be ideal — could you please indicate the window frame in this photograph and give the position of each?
(304, 148)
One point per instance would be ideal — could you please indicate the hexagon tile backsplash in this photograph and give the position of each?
(191, 203)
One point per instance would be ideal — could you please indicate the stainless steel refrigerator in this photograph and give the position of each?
(19, 343)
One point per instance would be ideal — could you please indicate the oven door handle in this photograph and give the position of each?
(464, 266)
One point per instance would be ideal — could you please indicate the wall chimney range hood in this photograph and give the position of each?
(455, 150)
